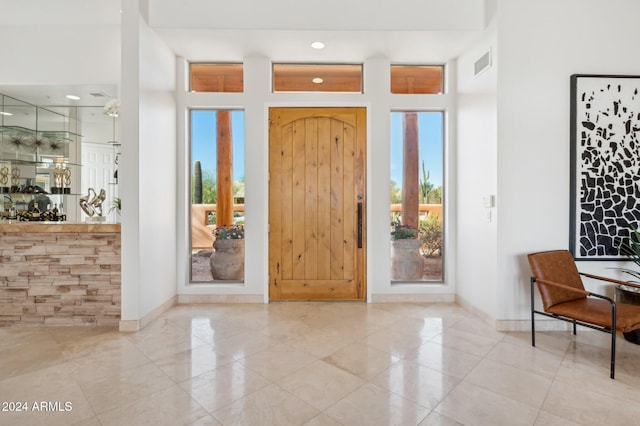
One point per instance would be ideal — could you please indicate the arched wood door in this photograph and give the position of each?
(317, 220)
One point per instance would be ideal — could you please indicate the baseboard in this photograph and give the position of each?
(417, 298)
(188, 299)
(483, 316)
(129, 326)
(137, 325)
(513, 325)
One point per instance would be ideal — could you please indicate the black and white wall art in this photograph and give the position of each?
(605, 164)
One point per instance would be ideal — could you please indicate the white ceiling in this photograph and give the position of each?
(294, 46)
(405, 31)
(328, 15)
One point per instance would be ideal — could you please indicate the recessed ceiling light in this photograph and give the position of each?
(5, 113)
(317, 80)
(317, 45)
(73, 97)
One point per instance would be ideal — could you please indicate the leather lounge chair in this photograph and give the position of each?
(564, 297)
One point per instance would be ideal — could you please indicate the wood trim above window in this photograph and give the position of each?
(344, 78)
(227, 78)
(417, 79)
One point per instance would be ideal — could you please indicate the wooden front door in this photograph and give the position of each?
(317, 215)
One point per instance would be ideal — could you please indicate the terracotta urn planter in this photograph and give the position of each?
(406, 261)
(227, 260)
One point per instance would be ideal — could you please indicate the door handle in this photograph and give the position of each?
(359, 224)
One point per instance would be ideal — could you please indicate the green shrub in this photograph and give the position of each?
(430, 233)
(233, 232)
(403, 232)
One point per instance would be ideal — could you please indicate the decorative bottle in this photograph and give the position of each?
(35, 213)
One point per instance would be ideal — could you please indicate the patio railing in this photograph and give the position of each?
(201, 231)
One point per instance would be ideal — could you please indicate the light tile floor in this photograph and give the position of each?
(314, 364)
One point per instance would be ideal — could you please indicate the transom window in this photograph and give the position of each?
(317, 78)
(417, 79)
(216, 78)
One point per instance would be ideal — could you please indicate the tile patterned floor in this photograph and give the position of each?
(314, 364)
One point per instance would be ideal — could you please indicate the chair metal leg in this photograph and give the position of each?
(613, 338)
(613, 353)
(533, 324)
(574, 328)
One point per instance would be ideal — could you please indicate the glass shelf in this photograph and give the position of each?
(31, 194)
(58, 135)
(41, 164)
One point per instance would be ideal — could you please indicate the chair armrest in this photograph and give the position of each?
(600, 296)
(611, 280)
(562, 286)
(574, 290)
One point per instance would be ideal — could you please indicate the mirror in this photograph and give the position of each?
(41, 137)
(18, 121)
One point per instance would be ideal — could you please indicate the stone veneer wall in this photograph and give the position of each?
(60, 278)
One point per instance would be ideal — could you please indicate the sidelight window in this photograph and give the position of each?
(417, 194)
(217, 194)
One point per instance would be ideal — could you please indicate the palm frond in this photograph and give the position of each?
(631, 250)
(633, 273)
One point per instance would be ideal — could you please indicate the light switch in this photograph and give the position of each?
(489, 201)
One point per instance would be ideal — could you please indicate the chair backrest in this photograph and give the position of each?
(557, 266)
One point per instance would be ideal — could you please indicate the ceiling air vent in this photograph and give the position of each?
(482, 63)
(98, 95)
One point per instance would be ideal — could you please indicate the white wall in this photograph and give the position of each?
(157, 172)
(48, 54)
(128, 179)
(60, 13)
(148, 170)
(476, 254)
(541, 44)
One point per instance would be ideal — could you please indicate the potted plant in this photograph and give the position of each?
(406, 262)
(630, 293)
(227, 259)
(631, 249)
(116, 205)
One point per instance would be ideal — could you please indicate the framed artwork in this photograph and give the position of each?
(605, 164)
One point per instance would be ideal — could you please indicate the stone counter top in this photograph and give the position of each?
(58, 227)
